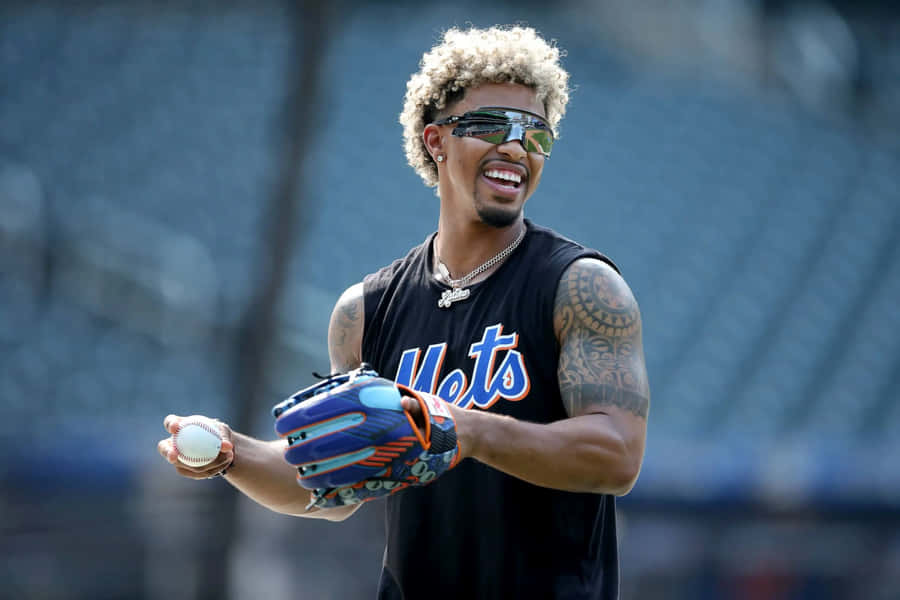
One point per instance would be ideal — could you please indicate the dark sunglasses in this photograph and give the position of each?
(498, 125)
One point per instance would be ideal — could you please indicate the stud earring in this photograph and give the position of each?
(440, 158)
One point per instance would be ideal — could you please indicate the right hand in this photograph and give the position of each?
(167, 450)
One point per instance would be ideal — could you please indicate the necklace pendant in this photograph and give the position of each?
(451, 296)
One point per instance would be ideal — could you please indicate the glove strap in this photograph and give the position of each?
(430, 405)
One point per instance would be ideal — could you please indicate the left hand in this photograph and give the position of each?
(333, 446)
(346, 462)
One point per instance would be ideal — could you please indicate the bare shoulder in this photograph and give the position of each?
(592, 294)
(345, 330)
(598, 325)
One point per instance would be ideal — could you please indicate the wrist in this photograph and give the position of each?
(224, 471)
(228, 448)
(468, 427)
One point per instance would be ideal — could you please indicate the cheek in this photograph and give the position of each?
(464, 154)
(537, 169)
(471, 149)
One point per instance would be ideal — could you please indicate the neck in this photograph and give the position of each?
(464, 247)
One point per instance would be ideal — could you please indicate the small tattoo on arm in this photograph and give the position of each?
(344, 334)
(601, 361)
(348, 315)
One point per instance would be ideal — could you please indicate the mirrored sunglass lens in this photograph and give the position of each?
(489, 132)
(534, 135)
(494, 138)
(538, 140)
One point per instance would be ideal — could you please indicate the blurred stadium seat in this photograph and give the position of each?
(137, 152)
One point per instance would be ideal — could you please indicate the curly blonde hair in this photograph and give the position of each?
(472, 57)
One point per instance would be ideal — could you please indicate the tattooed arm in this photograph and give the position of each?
(603, 384)
(602, 375)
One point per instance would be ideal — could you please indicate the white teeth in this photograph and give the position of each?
(506, 175)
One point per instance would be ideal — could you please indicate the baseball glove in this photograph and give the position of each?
(352, 441)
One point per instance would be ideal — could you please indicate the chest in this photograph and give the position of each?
(493, 351)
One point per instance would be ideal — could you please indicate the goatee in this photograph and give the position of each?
(497, 217)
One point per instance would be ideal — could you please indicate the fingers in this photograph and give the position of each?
(206, 471)
(224, 459)
(172, 423)
(412, 406)
(167, 450)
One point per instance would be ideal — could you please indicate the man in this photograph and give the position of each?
(534, 340)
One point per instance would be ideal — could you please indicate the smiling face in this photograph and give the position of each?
(481, 181)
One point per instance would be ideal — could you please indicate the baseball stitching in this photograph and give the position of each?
(202, 425)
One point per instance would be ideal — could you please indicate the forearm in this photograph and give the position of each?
(579, 454)
(261, 473)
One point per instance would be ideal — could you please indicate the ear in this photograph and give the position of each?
(434, 142)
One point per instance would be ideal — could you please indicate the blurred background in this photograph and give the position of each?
(187, 187)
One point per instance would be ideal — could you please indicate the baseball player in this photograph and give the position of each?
(503, 402)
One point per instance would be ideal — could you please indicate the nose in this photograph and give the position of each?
(514, 149)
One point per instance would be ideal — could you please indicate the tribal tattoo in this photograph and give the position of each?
(598, 324)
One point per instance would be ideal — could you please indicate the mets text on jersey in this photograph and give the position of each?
(489, 384)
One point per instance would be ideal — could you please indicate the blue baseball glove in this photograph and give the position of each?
(352, 441)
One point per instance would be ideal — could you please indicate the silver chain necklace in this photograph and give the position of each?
(458, 292)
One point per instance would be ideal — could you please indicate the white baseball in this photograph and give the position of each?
(197, 441)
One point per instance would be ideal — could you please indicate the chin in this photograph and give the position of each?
(499, 216)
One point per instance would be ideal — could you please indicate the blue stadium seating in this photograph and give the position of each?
(761, 241)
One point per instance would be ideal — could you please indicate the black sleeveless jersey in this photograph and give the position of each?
(477, 532)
